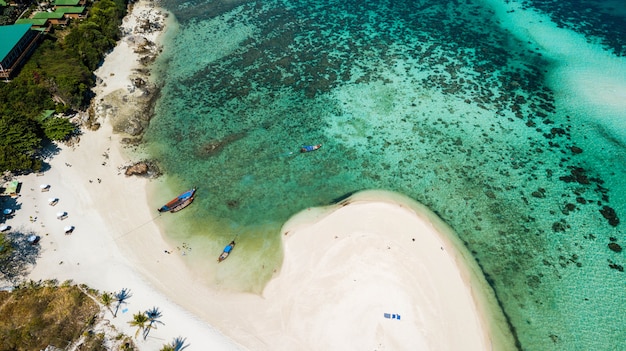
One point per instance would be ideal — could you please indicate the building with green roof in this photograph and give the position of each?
(33, 21)
(12, 188)
(18, 42)
(49, 15)
(37, 23)
(68, 2)
(56, 17)
(71, 11)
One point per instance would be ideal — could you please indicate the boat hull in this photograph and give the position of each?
(181, 201)
(227, 250)
(223, 256)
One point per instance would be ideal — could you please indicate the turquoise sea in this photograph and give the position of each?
(506, 118)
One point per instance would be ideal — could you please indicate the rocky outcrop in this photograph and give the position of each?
(143, 168)
(128, 102)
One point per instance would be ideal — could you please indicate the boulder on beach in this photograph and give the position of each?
(143, 168)
(140, 168)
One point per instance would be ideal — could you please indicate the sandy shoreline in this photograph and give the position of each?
(345, 267)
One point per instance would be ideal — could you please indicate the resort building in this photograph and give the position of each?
(41, 24)
(72, 11)
(54, 18)
(59, 3)
(18, 42)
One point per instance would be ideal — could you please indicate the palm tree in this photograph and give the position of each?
(121, 298)
(178, 344)
(153, 315)
(139, 320)
(107, 301)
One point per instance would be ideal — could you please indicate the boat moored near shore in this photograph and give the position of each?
(181, 201)
(226, 251)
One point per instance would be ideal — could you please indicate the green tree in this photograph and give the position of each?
(25, 96)
(88, 43)
(107, 301)
(57, 128)
(19, 143)
(61, 72)
(104, 13)
(139, 320)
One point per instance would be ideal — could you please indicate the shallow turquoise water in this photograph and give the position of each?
(508, 123)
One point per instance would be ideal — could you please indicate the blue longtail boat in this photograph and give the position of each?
(226, 251)
(309, 148)
(181, 201)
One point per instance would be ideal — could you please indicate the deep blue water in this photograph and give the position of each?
(508, 119)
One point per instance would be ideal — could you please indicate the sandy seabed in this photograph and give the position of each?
(376, 272)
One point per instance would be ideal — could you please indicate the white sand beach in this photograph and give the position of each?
(372, 274)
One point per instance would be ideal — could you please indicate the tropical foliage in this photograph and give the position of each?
(107, 300)
(140, 320)
(145, 321)
(37, 314)
(57, 128)
(57, 77)
(8, 14)
(91, 39)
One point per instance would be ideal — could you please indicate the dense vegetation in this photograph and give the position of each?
(57, 77)
(35, 316)
(8, 14)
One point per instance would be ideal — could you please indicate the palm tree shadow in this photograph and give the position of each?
(121, 298)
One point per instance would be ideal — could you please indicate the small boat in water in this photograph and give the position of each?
(181, 201)
(226, 251)
(309, 148)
